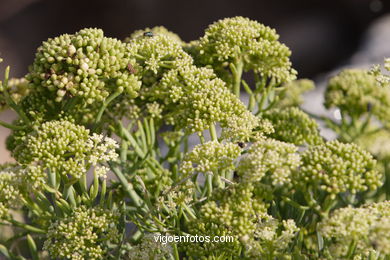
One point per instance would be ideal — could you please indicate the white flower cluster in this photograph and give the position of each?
(150, 249)
(367, 226)
(269, 157)
(64, 147)
(211, 157)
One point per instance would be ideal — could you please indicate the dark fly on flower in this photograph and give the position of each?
(148, 34)
(369, 107)
(241, 144)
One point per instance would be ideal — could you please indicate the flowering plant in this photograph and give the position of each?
(117, 141)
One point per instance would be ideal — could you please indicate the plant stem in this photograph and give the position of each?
(128, 187)
(27, 227)
(11, 126)
(213, 132)
(104, 106)
(237, 74)
(9, 100)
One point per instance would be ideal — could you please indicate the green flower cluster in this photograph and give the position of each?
(17, 89)
(195, 98)
(365, 228)
(357, 92)
(177, 197)
(82, 234)
(271, 160)
(85, 65)
(240, 39)
(377, 143)
(290, 94)
(149, 248)
(15, 182)
(292, 125)
(246, 127)
(10, 195)
(383, 79)
(156, 55)
(336, 167)
(211, 158)
(239, 212)
(65, 148)
(182, 94)
(274, 236)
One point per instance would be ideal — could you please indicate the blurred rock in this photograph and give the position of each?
(373, 49)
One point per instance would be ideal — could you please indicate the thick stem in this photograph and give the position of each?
(237, 74)
(213, 132)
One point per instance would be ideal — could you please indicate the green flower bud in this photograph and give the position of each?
(336, 167)
(293, 126)
(84, 234)
(65, 148)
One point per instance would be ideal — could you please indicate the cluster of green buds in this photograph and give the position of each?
(86, 65)
(155, 54)
(290, 94)
(383, 79)
(211, 158)
(17, 89)
(149, 248)
(82, 234)
(336, 167)
(10, 195)
(239, 212)
(294, 126)
(357, 93)
(196, 99)
(64, 148)
(248, 45)
(358, 231)
(269, 160)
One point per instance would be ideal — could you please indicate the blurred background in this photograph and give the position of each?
(323, 35)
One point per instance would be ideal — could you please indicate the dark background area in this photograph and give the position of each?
(321, 34)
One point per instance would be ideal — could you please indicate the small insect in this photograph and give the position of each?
(148, 34)
(241, 144)
(369, 107)
(131, 69)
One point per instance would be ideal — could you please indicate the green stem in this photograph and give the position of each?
(11, 126)
(132, 141)
(128, 187)
(201, 138)
(104, 106)
(10, 101)
(237, 74)
(33, 248)
(351, 249)
(175, 252)
(252, 96)
(209, 184)
(213, 132)
(27, 227)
